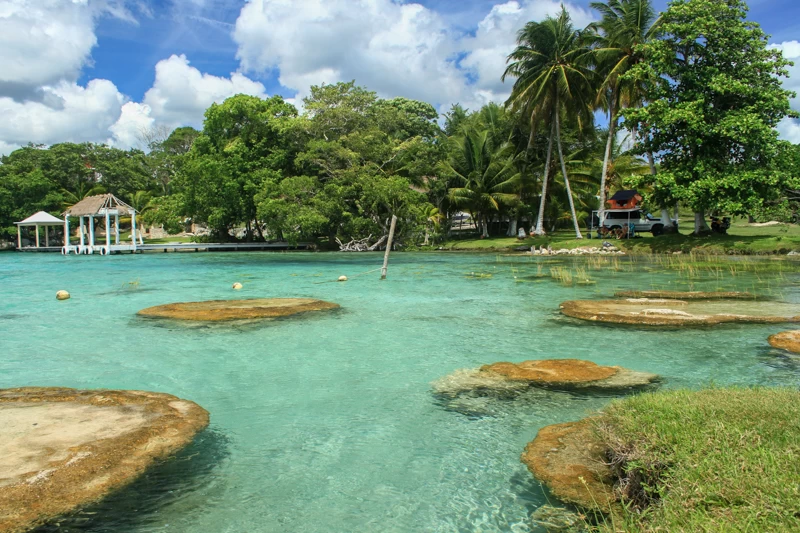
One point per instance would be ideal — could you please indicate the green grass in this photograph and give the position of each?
(715, 460)
(742, 239)
(169, 240)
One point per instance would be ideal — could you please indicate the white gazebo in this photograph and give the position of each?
(105, 206)
(37, 220)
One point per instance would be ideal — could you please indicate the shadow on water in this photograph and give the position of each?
(170, 484)
(482, 403)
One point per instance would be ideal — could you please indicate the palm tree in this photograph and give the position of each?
(625, 25)
(487, 174)
(83, 189)
(551, 64)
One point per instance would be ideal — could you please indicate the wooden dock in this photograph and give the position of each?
(168, 247)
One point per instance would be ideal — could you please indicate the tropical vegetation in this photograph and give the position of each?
(696, 89)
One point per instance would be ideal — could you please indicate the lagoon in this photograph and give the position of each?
(327, 423)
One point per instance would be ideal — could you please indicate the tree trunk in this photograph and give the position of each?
(540, 218)
(485, 229)
(512, 226)
(612, 126)
(566, 178)
(700, 225)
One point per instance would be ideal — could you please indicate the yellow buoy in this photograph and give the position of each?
(62, 295)
(237, 286)
(342, 278)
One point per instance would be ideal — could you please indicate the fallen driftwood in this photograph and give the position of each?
(361, 245)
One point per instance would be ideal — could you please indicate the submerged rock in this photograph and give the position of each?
(786, 340)
(569, 460)
(61, 449)
(561, 374)
(687, 295)
(220, 310)
(665, 312)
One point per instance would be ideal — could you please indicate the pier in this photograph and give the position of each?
(78, 249)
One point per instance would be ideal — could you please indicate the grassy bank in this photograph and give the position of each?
(742, 239)
(712, 460)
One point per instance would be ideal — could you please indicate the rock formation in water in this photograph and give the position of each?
(561, 374)
(61, 449)
(786, 340)
(661, 312)
(221, 310)
(570, 461)
(687, 295)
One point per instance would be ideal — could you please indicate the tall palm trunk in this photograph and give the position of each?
(540, 219)
(612, 126)
(564, 173)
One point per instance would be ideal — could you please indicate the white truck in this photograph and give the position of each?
(626, 219)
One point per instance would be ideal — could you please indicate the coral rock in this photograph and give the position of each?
(663, 312)
(221, 310)
(786, 340)
(61, 449)
(569, 459)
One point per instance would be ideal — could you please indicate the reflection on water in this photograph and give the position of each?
(328, 423)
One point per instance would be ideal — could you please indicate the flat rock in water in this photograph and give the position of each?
(562, 374)
(786, 340)
(569, 460)
(61, 449)
(665, 312)
(687, 295)
(221, 310)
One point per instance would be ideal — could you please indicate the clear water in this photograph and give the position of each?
(328, 423)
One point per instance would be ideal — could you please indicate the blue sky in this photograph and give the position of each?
(104, 70)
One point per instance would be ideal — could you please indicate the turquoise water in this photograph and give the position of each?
(328, 423)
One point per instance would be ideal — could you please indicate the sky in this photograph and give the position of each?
(106, 71)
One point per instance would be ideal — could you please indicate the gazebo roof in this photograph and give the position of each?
(41, 218)
(97, 205)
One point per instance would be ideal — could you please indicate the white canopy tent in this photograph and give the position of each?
(37, 220)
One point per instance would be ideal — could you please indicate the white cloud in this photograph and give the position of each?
(134, 121)
(82, 114)
(6, 148)
(181, 93)
(789, 129)
(392, 48)
(496, 38)
(389, 47)
(44, 42)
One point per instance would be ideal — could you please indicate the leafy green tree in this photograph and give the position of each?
(713, 105)
(243, 144)
(552, 65)
(25, 188)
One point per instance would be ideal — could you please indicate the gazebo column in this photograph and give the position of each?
(83, 232)
(47, 236)
(91, 231)
(133, 228)
(108, 232)
(116, 228)
(19, 238)
(66, 230)
(36, 228)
